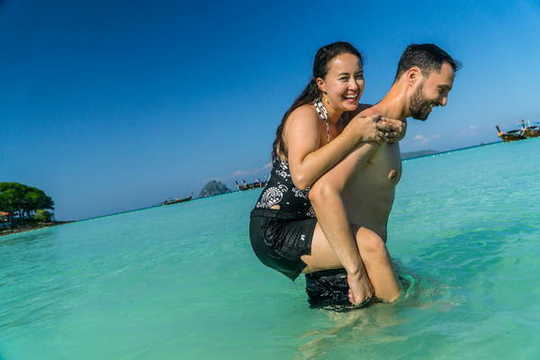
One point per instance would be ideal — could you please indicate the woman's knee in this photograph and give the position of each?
(322, 190)
(369, 242)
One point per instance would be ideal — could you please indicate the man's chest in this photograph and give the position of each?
(385, 165)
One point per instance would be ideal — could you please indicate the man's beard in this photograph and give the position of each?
(420, 108)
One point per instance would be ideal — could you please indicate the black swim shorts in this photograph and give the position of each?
(329, 290)
(279, 243)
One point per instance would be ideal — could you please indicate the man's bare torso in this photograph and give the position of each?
(369, 193)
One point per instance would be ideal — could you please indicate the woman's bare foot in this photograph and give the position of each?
(360, 289)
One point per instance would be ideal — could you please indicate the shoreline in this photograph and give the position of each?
(32, 227)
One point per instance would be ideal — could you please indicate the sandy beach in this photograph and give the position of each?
(31, 227)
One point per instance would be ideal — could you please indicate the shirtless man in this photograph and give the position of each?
(362, 185)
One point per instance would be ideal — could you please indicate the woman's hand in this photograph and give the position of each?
(360, 288)
(393, 130)
(379, 129)
(367, 128)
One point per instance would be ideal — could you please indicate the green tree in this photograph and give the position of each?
(23, 201)
(43, 216)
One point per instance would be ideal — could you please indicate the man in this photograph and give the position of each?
(365, 180)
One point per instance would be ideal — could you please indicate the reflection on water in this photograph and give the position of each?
(363, 326)
(360, 327)
(437, 282)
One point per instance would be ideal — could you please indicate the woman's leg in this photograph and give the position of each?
(374, 256)
(338, 245)
(378, 265)
(333, 222)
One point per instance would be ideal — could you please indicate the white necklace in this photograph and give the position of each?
(323, 115)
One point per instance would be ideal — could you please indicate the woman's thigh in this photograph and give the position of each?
(322, 256)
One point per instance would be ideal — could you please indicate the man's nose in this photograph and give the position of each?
(443, 101)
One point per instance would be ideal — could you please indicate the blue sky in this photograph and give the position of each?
(114, 105)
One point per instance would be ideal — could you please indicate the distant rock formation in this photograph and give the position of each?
(214, 188)
(413, 154)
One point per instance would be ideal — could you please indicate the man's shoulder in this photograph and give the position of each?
(367, 110)
(363, 107)
(350, 114)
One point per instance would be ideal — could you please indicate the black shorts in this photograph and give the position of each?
(329, 290)
(279, 243)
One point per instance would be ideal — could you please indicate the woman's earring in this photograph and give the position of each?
(325, 100)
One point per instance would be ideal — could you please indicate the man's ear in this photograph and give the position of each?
(413, 75)
(321, 84)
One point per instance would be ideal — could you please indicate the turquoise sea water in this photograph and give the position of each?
(181, 282)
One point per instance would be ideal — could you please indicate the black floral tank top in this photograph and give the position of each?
(280, 198)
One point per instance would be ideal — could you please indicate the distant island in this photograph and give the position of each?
(413, 154)
(213, 188)
(24, 208)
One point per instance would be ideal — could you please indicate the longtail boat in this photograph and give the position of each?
(249, 186)
(176, 201)
(511, 135)
(529, 130)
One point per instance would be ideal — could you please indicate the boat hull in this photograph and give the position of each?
(170, 202)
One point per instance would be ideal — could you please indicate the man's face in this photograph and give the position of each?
(432, 91)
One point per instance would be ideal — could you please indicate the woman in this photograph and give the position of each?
(315, 134)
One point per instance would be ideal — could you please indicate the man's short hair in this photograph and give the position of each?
(427, 57)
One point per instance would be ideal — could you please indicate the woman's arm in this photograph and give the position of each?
(308, 160)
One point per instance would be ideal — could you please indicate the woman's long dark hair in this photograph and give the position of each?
(312, 92)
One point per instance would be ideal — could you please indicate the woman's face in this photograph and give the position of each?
(343, 84)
